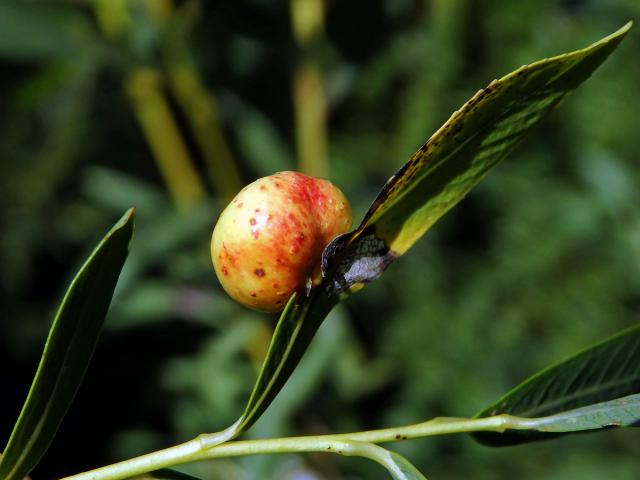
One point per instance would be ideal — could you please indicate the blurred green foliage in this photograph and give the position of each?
(541, 259)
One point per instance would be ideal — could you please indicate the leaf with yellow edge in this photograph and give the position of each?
(454, 160)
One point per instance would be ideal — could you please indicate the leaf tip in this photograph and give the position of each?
(126, 220)
(618, 34)
(130, 214)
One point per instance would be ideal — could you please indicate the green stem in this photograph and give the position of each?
(185, 452)
(347, 448)
(208, 447)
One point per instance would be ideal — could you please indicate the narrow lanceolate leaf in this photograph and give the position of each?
(69, 348)
(458, 156)
(298, 324)
(596, 388)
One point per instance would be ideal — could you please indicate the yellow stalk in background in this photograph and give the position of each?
(198, 106)
(113, 17)
(199, 109)
(194, 100)
(152, 110)
(310, 103)
(144, 88)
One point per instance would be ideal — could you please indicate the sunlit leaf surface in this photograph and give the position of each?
(455, 159)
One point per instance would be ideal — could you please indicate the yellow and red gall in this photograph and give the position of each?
(269, 239)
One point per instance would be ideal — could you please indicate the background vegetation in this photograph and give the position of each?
(172, 106)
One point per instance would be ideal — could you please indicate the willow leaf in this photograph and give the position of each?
(298, 323)
(455, 159)
(68, 350)
(606, 372)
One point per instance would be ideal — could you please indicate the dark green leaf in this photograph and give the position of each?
(458, 156)
(67, 353)
(297, 325)
(603, 373)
